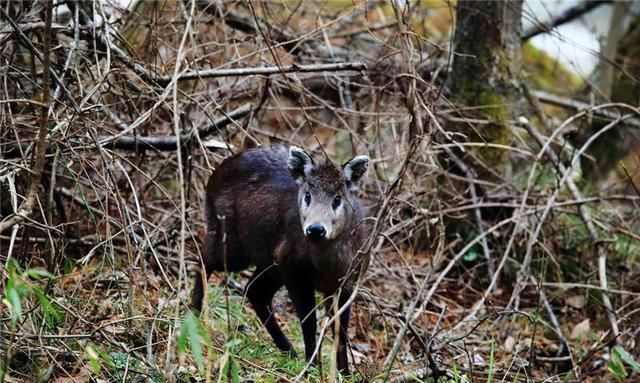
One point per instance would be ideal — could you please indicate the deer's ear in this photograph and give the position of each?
(353, 171)
(300, 164)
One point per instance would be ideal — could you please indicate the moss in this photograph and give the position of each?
(492, 156)
(492, 107)
(546, 73)
(484, 79)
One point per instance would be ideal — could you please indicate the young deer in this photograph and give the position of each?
(297, 222)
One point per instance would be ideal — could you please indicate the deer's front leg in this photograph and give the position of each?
(343, 337)
(302, 294)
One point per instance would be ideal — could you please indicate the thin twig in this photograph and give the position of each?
(26, 208)
(169, 143)
(586, 217)
(477, 212)
(569, 103)
(570, 14)
(265, 71)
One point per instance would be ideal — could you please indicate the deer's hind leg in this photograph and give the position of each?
(217, 255)
(264, 284)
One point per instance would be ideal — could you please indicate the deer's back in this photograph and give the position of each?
(256, 195)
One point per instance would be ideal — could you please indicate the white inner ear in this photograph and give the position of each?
(357, 160)
(348, 172)
(308, 165)
(300, 155)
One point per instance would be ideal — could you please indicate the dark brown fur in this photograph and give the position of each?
(255, 198)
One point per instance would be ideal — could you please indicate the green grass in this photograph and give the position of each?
(249, 344)
(627, 248)
(546, 73)
(492, 362)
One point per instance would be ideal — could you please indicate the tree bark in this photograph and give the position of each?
(486, 66)
(610, 49)
(616, 144)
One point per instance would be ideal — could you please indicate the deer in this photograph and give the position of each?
(298, 222)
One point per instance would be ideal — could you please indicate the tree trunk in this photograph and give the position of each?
(610, 49)
(486, 66)
(616, 144)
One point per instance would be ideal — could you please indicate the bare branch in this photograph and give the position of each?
(588, 221)
(253, 25)
(26, 208)
(565, 17)
(164, 81)
(168, 143)
(269, 70)
(569, 103)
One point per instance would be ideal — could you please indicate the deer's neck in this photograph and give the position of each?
(332, 261)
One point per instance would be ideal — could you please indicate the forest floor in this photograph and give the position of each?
(118, 329)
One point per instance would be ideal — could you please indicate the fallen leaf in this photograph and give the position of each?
(509, 343)
(581, 329)
(84, 375)
(212, 143)
(358, 357)
(115, 329)
(575, 301)
(478, 361)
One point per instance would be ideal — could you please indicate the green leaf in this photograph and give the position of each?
(626, 357)
(39, 274)
(106, 358)
(470, 256)
(491, 361)
(16, 307)
(455, 371)
(232, 343)
(13, 267)
(92, 357)
(616, 367)
(51, 314)
(193, 334)
(230, 369)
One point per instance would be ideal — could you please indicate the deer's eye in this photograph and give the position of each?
(307, 198)
(336, 202)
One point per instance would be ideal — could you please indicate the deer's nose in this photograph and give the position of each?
(316, 231)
